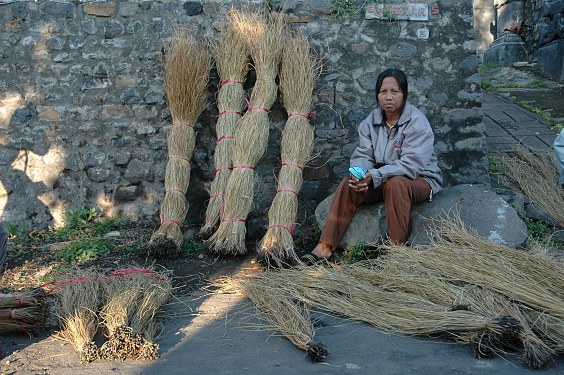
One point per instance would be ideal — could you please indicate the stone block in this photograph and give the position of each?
(506, 50)
(479, 208)
(550, 59)
(100, 9)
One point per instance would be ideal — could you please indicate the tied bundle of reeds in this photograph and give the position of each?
(282, 314)
(77, 302)
(537, 178)
(298, 72)
(133, 297)
(331, 290)
(186, 73)
(264, 35)
(231, 57)
(24, 312)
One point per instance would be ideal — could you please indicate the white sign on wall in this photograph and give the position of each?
(398, 11)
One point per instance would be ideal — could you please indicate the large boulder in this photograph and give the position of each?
(478, 208)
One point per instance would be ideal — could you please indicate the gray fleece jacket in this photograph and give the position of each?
(407, 151)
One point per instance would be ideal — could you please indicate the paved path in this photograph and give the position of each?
(507, 124)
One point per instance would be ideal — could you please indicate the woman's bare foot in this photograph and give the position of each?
(323, 250)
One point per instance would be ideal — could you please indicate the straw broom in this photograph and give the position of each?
(231, 57)
(23, 312)
(186, 73)
(337, 292)
(536, 353)
(133, 299)
(298, 72)
(77, 301)
(537, 179)
(291, 319)
(264, 38)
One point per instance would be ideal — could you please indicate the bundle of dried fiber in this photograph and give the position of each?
(537, 179)
(25, 311)
(334, 291)
(186, 73)
(264, 37)
(77, 301)
(231, 57)
(536, 353)
(450, 230)
(547, 327)
(283, 314)
(298, 72)
(458, 253)
(144, 321)
(133, 298)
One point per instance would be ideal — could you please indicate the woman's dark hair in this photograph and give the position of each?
(399, 76)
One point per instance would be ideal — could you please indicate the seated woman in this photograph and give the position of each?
(559, 155)
(396, 150)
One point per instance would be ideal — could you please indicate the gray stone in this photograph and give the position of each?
(22, 115)
(552, 7)
(98, 174)
(59, 9)
(122, 158)
(113, 29)
(193, 8)
(550, 59)
(92, 159)
(506, 50)
(126, 193)
(478, 207)
(19, 11)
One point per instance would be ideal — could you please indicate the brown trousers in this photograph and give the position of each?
(399, 194)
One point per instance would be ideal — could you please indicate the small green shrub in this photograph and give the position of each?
(488, 68)
(355, 254)
(193, 248)
(493, 166)
(343, 7)
(84, 250)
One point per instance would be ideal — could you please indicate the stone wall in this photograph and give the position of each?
(84, 117)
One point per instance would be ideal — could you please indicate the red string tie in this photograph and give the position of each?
(290, 230)
(171, 221)
(293, 165)
(77, 279)
(174, 190)
(224, 137)
(183, 124)
(250, 108)
(178, 157)
(220, 169)
(228, 113)
(20, 301)
(217, 195)
(229, 81)
(124, 272)
(10, 314)
(287, 191)
(234, 220)
(243, 167)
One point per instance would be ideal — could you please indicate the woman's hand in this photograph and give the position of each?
(360, 185)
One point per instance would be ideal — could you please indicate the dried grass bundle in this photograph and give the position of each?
(337, 292)
(232, 57)
(134, 298)
(547, 327)
(24, 312)
(536, 353)
(284, 315)
(537, 179)
(186, 73)
(264, 36)
(298, 72)
(77, 302)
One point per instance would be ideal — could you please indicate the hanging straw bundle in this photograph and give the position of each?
(284, 315)
(298, 72)
(264, 38)
(23, 312)
(133, 299)
(537, 179)
(231, 57)
(77, 301)
(186, 69)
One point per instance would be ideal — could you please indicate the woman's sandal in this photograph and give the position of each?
(313, 260)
